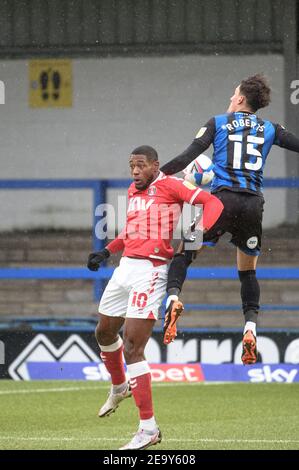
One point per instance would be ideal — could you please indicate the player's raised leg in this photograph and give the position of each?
(250, 294)
(176, 276)
(111, 346)
(136, 335)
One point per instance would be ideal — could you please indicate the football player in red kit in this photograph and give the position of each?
(135, 292)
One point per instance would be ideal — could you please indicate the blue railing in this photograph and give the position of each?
(99, 189)
(207, 273)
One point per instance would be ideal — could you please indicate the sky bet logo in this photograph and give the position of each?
(270, 374)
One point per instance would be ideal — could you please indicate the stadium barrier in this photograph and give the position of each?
(99, 189)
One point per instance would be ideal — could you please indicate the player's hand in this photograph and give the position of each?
(174, 308)
(95, 259)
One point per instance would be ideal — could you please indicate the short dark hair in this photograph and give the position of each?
(256, 91)
(148, 151)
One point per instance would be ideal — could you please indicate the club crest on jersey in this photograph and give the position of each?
(151, 190)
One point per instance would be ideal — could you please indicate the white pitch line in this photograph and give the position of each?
(46, 390)
(116, 439)
(67, 439)
(103, 385)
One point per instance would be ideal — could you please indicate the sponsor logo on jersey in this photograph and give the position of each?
(139, 204)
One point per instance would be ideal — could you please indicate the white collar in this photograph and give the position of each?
(159, 177)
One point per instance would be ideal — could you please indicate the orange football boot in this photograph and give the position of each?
(249, 352)
(172, 315)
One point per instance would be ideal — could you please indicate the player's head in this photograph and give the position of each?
(252, 94)
(144, 166)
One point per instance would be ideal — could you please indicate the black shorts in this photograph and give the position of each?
(242, 217)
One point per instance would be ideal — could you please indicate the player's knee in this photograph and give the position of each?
(133, 351)
(103, 336)
(98, 333)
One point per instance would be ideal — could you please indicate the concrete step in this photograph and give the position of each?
(74, 298)
(72, 248)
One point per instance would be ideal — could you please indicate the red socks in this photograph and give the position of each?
(140, 381)
(112, 356)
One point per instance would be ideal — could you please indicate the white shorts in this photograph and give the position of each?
(136, 290)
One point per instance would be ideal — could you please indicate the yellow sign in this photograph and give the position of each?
(50, 83)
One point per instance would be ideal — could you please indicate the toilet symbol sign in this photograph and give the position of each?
(50, 83)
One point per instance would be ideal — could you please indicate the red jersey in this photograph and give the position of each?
(153, 214)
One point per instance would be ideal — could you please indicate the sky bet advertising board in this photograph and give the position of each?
(196, 356)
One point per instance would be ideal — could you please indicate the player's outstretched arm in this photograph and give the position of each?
(181, 161)
(202, 141)
(286, 139)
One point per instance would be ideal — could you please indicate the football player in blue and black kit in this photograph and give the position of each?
(242, 142)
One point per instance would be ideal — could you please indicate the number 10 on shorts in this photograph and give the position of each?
(139, 299)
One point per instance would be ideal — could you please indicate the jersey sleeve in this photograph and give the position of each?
(183, 191)
(206, 133)
(285, 139)
(202, 141)
(117, 244)
(212, 206)
(212, 209)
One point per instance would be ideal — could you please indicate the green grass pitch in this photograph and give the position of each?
(63, 415)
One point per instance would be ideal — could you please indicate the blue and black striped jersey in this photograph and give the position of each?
(242, 142)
